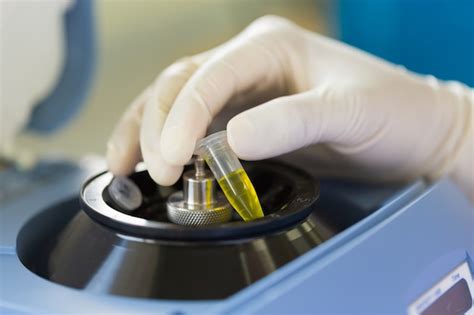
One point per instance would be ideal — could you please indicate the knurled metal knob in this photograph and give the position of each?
(198, 203)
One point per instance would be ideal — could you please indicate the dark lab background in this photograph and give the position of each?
(137, 39)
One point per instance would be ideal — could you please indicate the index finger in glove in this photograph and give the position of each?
(243, 63)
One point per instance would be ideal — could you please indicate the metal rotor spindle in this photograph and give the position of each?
(198, 203)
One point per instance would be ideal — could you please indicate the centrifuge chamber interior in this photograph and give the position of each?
(323, 246)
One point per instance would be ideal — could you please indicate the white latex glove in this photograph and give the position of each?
(374, 120)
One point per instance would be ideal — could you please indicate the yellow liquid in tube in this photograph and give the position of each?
(239, 190)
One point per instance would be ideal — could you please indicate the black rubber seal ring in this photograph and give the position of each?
(304, 188)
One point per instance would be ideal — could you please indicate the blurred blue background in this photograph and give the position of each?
(430, 37)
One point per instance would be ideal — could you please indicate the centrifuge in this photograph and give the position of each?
(75, 239)
(84, 241)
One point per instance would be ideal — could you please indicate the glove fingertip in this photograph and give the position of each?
(240, 135)
(176, 147)
(164, 175)
(117, 162)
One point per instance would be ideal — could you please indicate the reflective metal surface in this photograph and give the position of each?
(199, 186)
(287, 196)
(198, 203)
(77, 249)
(180, 212)
(86, 255)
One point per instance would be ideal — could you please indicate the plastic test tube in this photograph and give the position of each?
(230, 175)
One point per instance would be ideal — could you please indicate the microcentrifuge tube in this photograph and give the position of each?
(230, 175)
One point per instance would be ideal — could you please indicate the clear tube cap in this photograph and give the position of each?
(218, 155)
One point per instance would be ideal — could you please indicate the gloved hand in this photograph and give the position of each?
(374, 120)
